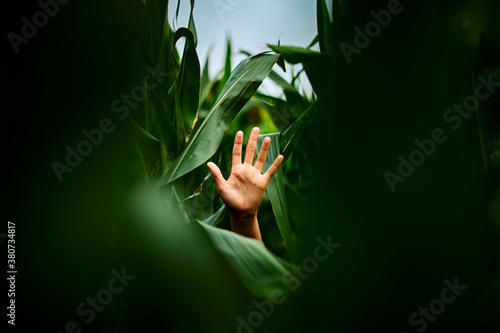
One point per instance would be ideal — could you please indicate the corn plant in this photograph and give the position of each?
(184, 124)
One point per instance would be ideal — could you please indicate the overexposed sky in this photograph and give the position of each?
(252, 24)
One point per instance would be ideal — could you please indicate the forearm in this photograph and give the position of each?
(246, 226)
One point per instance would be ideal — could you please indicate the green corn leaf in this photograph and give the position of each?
(191, 25)
(313, 42)
(296, 54)
(216, 219)
(295, 101)
(276, 191)
(315, 64)
(291, 136)
(166, 60)
(188, 79)
(320, 26)
(227, 66)
(245, 52)
(277, 110)
(325, 27)
(205, 83)
(156, 11)
(262, 272)
(205, 140)
(178, 122)
(165, 224)
(147, 147)
(166, 131)
(227, 63)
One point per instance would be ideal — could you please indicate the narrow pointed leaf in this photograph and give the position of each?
(276, 191)
(205, 82)
(227, 65)
(188, 79)
(295, 54)
(192, 26)
(315, 64)
(325, 27)
(320, 25)
(313, 42)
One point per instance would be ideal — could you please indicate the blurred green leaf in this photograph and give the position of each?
(261, 271)
(292, 134)
(166, 57)
(313, 42)
(156, 11)
(148, 148)
(166, 129)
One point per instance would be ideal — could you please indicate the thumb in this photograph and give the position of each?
(216, 175)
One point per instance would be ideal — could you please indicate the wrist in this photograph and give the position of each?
(246, 225)
(243, 217)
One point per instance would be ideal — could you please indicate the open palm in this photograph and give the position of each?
(243, 191)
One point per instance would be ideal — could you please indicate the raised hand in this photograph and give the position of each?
(242, 192)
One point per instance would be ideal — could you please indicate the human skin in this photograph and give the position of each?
(243, 191)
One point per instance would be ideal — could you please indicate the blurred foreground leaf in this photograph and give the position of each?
(261, 271)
